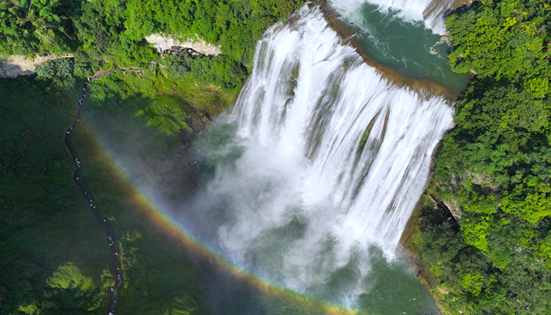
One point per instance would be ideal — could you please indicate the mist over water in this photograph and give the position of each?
(309, 180)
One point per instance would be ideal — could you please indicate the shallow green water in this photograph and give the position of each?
(405, 45)
(394, 290)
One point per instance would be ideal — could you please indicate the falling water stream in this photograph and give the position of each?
(317, 168)
(308, 180)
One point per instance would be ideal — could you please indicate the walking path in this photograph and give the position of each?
(104, 73)
(115, 262)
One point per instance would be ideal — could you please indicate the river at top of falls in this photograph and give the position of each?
(320, 162)
(430, 12)
(400, 39)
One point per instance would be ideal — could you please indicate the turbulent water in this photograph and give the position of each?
(429, 11)
(321, 159)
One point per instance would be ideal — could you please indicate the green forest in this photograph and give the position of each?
(54, 257)
(109, 34)
(104, 33)
(496, 165)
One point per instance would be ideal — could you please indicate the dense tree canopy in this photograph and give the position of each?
(52, 252)
(499, 154)
(496, 162)
(114, 29)
(36, 26)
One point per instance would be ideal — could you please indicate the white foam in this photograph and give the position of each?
(304, 200)
(429, 11)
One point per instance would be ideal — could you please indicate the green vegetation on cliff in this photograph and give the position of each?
(54, 256)
(107, 34)
(496, 164)
(167, 98)
(52, 253)
(114, 30)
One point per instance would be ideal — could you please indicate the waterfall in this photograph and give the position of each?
(429, 11)
(329, 159)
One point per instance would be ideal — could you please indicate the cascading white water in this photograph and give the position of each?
(329, 165)
(429, 11)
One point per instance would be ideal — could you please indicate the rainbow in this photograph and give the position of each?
(153, 211)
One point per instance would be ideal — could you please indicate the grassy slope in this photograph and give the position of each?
(158, 274)
(159, 278)
(53, 254)
(44, 223)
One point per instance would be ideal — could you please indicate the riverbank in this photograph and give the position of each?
(425, 209)
(411, 253)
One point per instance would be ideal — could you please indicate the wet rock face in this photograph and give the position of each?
(199, 45)
(175, 168)
(197, 123)
(175, 174)
(186, 134)
(454, 208)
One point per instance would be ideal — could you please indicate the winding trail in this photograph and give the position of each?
(115, 262)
